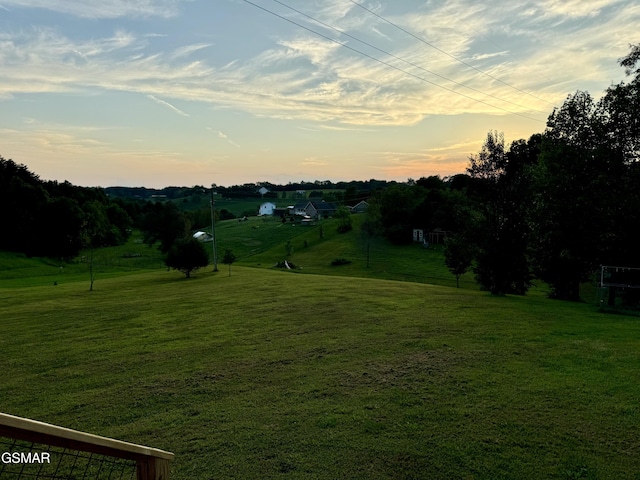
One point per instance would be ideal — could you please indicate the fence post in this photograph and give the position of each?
(153, 468)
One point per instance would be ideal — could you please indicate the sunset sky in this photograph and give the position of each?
(193, 92)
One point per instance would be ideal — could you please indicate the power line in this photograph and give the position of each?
(402, 59)
(387, 63)
(444, 52)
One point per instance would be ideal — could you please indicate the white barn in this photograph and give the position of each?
(267, 208)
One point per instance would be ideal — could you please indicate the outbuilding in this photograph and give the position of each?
(267, 208)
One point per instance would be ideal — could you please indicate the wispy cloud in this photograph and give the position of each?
(485, 56)
(189, 49)
(168, 105)
(103, 8)
(313, 162)
(223, 136)
(306, 77)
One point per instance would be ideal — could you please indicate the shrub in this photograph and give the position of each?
(340, 261)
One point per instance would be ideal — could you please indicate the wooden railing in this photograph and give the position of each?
(150, 463)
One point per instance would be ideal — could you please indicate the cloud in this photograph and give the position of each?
(168, 105)
(103, 8)
(308, 78)
(574, 8)
(485, 56)
(189, 49)
(313, 162)
(224, 137)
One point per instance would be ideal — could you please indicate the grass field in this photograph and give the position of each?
(269, 374)
(322, 372)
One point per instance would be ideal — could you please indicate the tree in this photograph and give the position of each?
(501, 232)
(228, 259)
(397, 209)
(631, 61)
(344, 219)
(576, 183)
(491, 162)
(163, 223)
(62, 222)
(458, 255)
(187, 255)
(371, 227)
(587, 196)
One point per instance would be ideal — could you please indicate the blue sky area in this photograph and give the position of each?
(185, 92)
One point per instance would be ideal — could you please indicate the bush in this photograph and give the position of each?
(340, 261)
(286, 264)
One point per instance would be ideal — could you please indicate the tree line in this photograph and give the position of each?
(555, 206)
(47, 218)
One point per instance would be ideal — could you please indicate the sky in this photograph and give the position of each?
(161, 93)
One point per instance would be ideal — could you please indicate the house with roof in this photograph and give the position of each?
(360, 207)
(314, 209)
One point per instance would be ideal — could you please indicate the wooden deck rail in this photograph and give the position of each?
(151, 463)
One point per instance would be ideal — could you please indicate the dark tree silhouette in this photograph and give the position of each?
(187, 255)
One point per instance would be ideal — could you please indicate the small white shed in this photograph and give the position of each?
(203, 236)
(267, 208)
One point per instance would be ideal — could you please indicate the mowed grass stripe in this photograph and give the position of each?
(270, 374)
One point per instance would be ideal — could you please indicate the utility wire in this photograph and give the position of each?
(444, 52)
(387, 63)
(402, 59)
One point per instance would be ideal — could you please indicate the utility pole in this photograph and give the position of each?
(213, 231)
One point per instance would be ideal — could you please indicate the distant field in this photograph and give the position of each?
(259, 242)
(17, 270)
(269, 374)
(236, 206)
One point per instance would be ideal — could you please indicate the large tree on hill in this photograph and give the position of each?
(187, 255)
(501, 231)
(568, 212)
(587, 186)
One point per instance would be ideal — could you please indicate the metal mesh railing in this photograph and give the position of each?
(34, 450)
(22, 460)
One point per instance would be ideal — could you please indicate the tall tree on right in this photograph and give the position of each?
(587, 201)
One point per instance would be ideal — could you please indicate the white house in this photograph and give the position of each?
(267, 208)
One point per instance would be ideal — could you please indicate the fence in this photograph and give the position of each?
(619, 289)
(36, 450)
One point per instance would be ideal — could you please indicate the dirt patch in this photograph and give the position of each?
(433, 365)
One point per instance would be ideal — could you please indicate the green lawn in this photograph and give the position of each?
(270, 374)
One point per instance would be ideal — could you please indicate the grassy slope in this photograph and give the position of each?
(261, 243)
(267, 374)
(258, 242)
(17, 270)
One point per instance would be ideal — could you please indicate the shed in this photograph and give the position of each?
(203, 236)
(267, 208)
